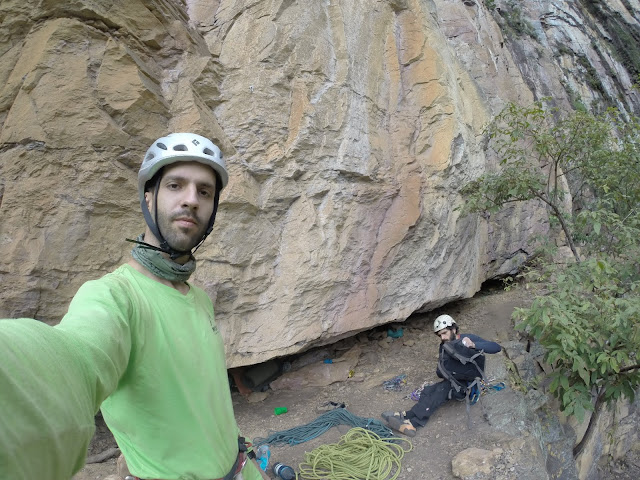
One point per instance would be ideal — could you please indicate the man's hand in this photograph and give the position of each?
(467, 342)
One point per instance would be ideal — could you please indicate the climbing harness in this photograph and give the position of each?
(483, 387)
(471, 388)
(339, 416)
(449, 348)
(238, 464)
(360, 454)
(241, 459)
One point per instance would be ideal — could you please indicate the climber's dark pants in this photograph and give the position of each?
(431, 398)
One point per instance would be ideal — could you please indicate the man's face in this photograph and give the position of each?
(446, 335)
(185, 203)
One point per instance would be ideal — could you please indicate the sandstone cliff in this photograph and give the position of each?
(349, 128)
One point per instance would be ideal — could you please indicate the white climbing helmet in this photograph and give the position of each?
(442, 322)
(181, 147)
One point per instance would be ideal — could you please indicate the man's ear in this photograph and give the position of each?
(148, 198)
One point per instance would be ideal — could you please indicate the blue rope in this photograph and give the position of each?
(339, 416)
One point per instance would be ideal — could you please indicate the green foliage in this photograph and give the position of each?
(589, 315)
(624, 37)
(609, 196)
(588, 322)
(574, 98)
(540, 156)
(515, 21)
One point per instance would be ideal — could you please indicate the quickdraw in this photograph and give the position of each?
(482, 388)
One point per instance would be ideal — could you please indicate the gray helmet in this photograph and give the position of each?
(180, 147)
(442, 322)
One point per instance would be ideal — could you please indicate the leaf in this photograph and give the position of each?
(615, 366)
(584, 375)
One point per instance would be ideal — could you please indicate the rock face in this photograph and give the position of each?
(349, 129)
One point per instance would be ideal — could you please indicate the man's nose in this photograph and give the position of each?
(190, 198)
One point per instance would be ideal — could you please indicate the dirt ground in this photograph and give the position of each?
(414, 355)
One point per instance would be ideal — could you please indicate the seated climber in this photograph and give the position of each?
(460, 364)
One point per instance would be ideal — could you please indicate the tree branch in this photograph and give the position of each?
(577, 450)
(628, 369)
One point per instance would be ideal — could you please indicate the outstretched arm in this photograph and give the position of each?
(52, 382)
(480, 343)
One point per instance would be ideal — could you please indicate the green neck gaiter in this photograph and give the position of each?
(159, 265)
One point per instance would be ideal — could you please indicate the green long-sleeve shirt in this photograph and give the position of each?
(151, 356)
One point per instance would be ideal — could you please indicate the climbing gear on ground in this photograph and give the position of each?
(159, 265)
(442, 322)
(415, 395)
(330, 405)
(359, 455)
(482, 388)
(395, 384)
(174, 148)
(487, 385)
(393, 333)
(339, 416)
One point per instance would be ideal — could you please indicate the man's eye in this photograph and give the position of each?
(172, 186)
(205, 193)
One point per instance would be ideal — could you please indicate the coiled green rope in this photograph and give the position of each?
(360, 454)
(339, 416)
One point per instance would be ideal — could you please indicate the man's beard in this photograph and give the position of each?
(175, 236)
(449, 338)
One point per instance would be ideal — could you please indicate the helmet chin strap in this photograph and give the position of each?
(152, 223)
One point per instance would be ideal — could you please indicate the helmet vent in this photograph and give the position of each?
(209, 152)
(162, 146)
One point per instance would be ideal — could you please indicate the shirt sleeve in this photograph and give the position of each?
(53, 379)
(482, 344)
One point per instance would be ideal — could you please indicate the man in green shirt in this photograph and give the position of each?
(140, 343)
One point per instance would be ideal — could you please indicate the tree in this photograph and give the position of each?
(536, 152)
(587, 317)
